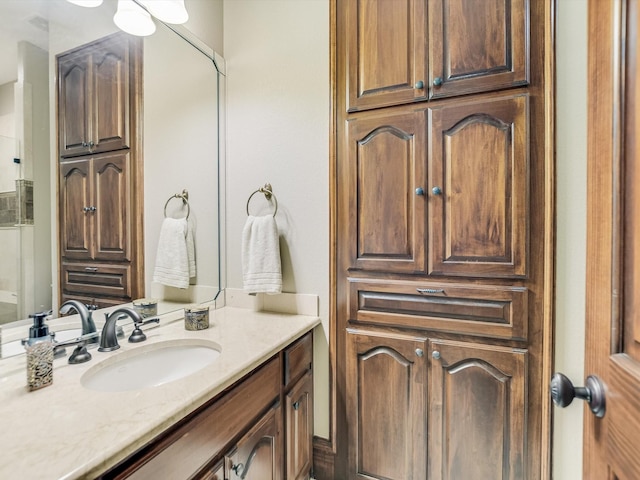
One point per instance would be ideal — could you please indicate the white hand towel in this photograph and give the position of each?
(191, 251)
(172, 260)
(261, 269)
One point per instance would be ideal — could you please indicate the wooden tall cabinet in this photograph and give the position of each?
(442, 202)
(100, 171)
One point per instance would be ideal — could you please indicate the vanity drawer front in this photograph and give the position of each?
(205, 435)
(483, 310)
(297, 359)
(96, 279)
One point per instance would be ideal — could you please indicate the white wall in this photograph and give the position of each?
(571, 162)
(277, 54)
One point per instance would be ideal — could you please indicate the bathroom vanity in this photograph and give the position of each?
(248, 414)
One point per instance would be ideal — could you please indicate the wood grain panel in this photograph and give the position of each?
(479, 158)
(486, 311)
(478, 46)
(76, 185)
(113, 206)
(299, 429)
(387, 404)
(111, 97)
(477, 411)
(297, 359)
(74, 94)
(386, 52)
(96, 279)
(386, 165)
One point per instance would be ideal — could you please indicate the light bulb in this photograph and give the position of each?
(133, 19)
(168, 11)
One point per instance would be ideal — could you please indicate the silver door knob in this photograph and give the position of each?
(563, 392)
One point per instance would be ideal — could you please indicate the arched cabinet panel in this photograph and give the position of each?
(386, 405)
(477, 409)
(76, 186)
(386, 167)
(479, 188)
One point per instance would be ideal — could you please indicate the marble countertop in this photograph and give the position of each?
(67, 431)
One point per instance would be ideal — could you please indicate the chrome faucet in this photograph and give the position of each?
(109, 339)
(88, 326)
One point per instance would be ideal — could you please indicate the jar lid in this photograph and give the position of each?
(145, 301)
(196, 308)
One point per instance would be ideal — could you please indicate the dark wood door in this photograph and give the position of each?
(386, 52)
(110, 116)
(385, 185)
(613, 246)
(74, 104)
(477, 45)
(479, 188)
(299, 428)
(112, 200)
(77, 209)
(386, 404)
(258, 455)
(477, 411)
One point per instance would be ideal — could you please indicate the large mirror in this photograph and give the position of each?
(181, 129)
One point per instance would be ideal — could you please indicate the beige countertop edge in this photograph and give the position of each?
(66, 431)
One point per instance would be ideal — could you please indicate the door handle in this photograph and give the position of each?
(563, 392)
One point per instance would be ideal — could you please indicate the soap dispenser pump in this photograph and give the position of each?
(39, 347)
(39, 331)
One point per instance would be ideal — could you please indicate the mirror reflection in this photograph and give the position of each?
(82, 212)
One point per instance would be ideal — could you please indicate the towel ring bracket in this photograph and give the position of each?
(268, 193)
(184, 196)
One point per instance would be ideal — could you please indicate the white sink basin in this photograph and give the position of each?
(150, 365)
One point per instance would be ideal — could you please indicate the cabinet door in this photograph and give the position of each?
(386, 388)
(113, 206)
(479, 188)
(299, 428)
(110, 115)
(258, 455)
(74, 103)
(385, 185)
(477, 46)
(216, 473)
(76, 209)
(477, 411)
(384, 51)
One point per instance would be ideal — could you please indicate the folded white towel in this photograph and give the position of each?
(191, 251)
(261, 269)
(172, 258)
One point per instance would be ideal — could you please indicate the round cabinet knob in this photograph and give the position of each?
(419, 85)
(419, 352)
(437, 81)
(563, 392)
(296, 405)
(238, 469)
(436, 191)
(435, 355)
(419, 191)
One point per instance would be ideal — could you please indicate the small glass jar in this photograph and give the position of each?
(196, 317)
(146, 307)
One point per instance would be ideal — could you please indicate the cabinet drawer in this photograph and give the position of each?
(482, 310)
(96, 279)
(298, 358)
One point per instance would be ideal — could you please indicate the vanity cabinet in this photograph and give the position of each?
(100, 172)
(412, 50)
(443, 206)
(93, 97)
(246, 432)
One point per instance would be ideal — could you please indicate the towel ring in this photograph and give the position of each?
(268, 193)
(185, 200)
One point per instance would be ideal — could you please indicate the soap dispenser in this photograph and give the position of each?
(39, 347)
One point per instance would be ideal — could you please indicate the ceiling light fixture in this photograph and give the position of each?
(135, 16)
(133, 19)
(86, 3)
